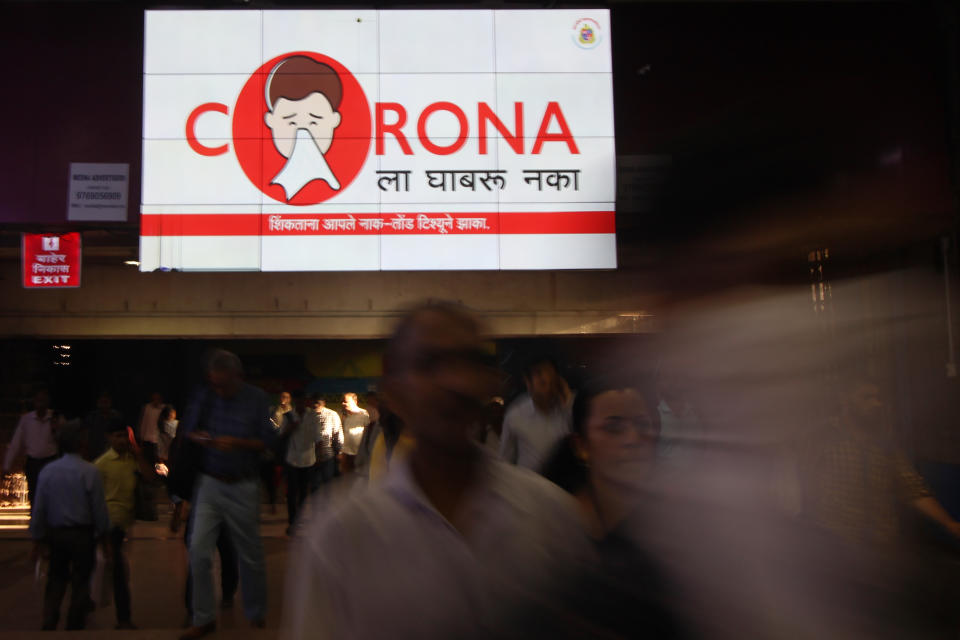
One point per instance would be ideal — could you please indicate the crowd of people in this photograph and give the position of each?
(455, 515)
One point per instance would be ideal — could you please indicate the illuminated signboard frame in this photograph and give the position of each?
(378, 140)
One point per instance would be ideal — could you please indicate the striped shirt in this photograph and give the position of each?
(331, 434)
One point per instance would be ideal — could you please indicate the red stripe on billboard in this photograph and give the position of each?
(256, 224)
(558, 222)
(200, 224)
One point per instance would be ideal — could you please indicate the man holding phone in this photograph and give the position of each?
(230, 420)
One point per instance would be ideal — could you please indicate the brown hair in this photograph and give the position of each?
(296, 77)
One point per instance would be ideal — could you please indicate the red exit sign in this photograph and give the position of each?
(51, 261)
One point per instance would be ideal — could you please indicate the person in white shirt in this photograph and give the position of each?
(148, 431)
(355, 420)
(35, 435)
(303, 425)
(537, 421)
(453, 543)
(370, 433)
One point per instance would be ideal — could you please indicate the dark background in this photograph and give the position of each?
(131, 369)
(783, 128)
(752, 103)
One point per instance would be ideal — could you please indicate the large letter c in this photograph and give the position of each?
(192, 121)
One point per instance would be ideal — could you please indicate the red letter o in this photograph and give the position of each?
(422, 128)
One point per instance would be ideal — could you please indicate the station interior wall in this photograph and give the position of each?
(118, 301)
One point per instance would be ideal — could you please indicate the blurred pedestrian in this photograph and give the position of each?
(167, 425)
(229, 568)
(119, 467)
(329, 445)
(858, 490)
(35, 435)
(230, 421)
(69, 517)
(370, 433)
(269, 460)
(536, 421)
(181, 481)
(491, 427)
(283, 406)
(606, 464)
(355, 421)
(301, 427)
(452, 544)
(393, 444)
(98, 423)
(855, 479)
(147, 430)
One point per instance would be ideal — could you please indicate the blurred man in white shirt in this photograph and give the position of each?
(453, 543)
(148, 430)
(355, 420)
(35, 435)
(537, 421)
(303, 425)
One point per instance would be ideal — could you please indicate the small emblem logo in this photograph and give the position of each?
(586, 33)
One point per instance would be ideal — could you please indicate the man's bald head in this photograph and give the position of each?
(225, 372)
(436, 376)
(415, 335)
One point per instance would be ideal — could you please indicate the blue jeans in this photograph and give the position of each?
(235, 506)
(229, 571)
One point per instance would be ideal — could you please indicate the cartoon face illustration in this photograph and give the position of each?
(302, 98)
(302, 93)
(313, 113)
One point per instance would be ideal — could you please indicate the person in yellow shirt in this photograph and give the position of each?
(118, 468)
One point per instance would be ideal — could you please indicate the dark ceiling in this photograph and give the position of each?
(782, 125)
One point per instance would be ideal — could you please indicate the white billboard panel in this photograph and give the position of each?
(349, 140)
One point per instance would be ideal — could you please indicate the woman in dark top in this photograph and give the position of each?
(606, 463)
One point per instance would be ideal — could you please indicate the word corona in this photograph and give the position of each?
(485, 116)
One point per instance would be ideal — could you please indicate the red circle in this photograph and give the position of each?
(261, 161)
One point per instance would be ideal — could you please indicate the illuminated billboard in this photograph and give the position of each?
(377, 140)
